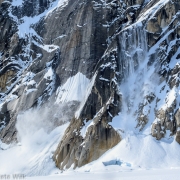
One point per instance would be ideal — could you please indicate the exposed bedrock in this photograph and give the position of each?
(101, 105)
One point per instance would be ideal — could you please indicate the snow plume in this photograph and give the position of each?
(137, 80)
(36, 121)
(140, 87)
(133, 49)
(39, 132)
(137, 149)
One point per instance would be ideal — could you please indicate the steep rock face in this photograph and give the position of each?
(96, 59)
(30, 8)
(22, 88)
(103, 102)
(165, 31)
(81, 31)
(101, 105)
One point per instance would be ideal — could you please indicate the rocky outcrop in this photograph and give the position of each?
(162, 40)
(104, 100)
(101, 105)
(166, 27)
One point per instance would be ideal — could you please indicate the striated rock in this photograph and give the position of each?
(73, 149)
(78, 150)
(178, 136)
(161, 19)
(177, 118)
(4, 78)
(153, 26)
(157, 131)
(70, 50)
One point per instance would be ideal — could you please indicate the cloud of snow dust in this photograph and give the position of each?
(39, 132)
(34, 125)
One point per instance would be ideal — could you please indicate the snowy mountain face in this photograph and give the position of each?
(80, 79)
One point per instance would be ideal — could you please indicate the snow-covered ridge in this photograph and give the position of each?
(25, 24)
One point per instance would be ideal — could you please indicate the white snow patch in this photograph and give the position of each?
(171, 96)
(49, 75)
(57, 4)
(85, 127)
(75, 89)
(86, 95)
(17, 2)
(25, 24)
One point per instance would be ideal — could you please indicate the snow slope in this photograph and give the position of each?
(130, 159)
(74, 89)
(25, 25)
(163, 174)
